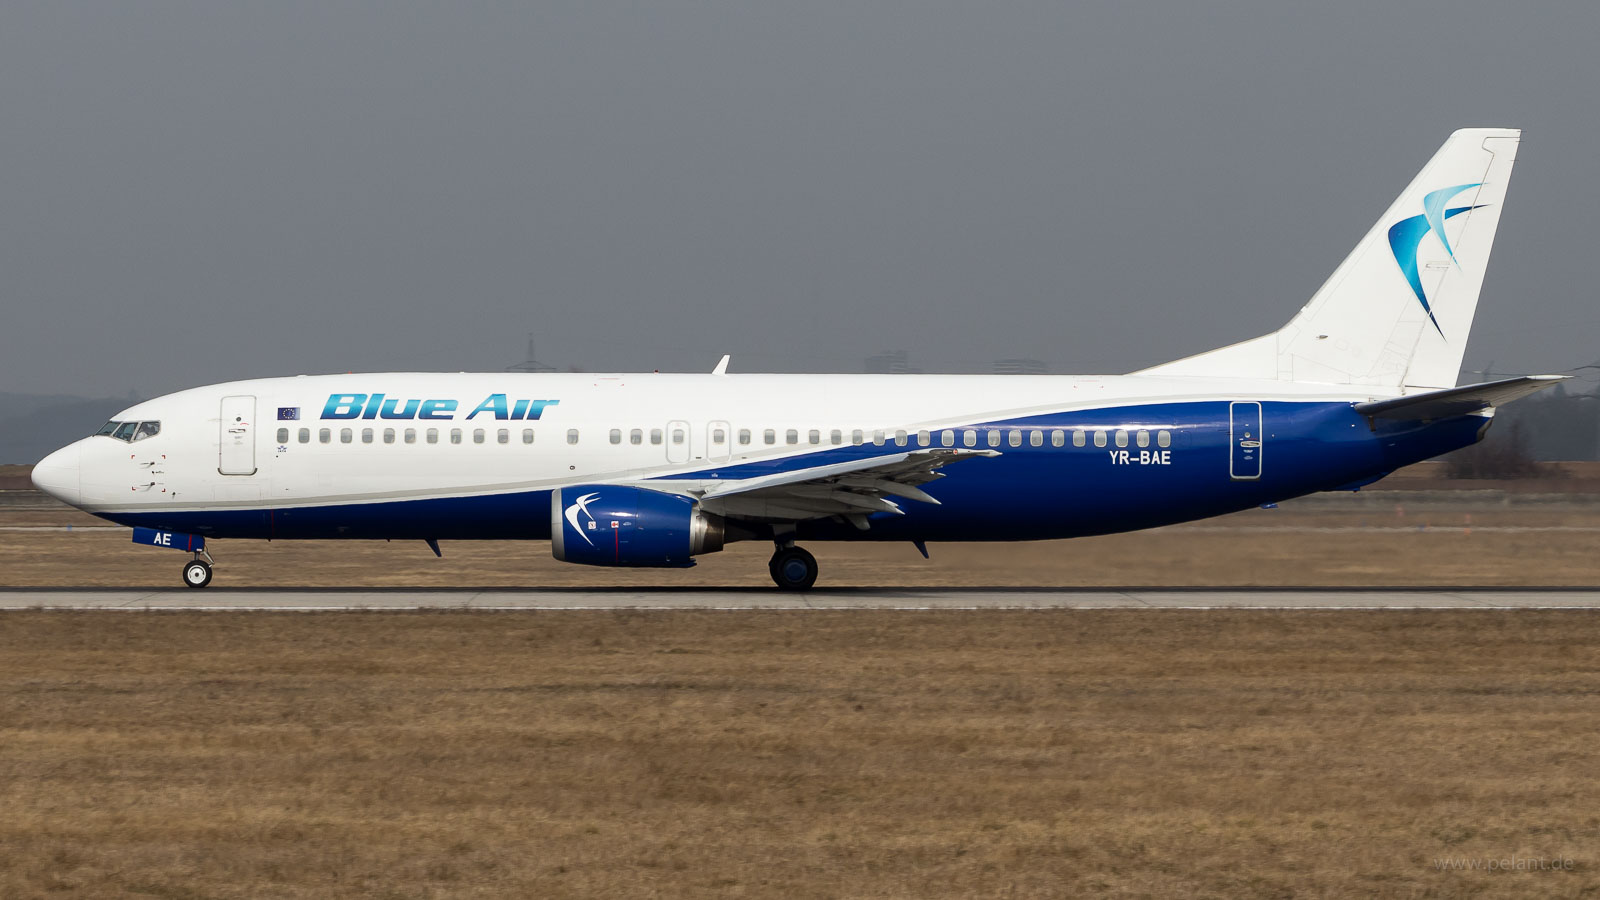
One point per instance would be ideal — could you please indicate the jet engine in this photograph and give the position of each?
(614, 525)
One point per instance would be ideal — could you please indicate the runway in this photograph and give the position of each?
(836, 599)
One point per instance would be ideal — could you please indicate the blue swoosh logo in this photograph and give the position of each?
(1405, 236)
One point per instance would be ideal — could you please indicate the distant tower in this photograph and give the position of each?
(531, 364)
(1020, 367)
(890, 362)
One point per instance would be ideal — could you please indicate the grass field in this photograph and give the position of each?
(1396, 539)
(1113, 753)
(864, 754)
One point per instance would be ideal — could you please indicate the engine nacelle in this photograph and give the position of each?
(614, 525)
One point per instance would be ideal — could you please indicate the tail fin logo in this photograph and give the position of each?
(1405, 237)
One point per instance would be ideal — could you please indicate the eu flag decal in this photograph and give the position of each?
(288, 413)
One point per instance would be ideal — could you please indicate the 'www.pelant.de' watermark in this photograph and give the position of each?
(1504, 864)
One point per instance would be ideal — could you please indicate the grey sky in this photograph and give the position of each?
(196, 192)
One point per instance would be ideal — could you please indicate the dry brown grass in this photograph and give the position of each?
(1420, 545)
(887, 754)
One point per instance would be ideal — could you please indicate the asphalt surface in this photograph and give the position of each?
(841, 598)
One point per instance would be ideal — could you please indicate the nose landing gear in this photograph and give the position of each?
(793, 569)
(197, 571)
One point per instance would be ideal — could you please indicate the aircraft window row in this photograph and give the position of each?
(409, 435)
(134, 431)
(129, 431)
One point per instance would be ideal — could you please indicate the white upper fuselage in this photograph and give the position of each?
(607, 428)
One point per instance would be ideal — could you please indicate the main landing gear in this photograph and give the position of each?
(792, 568)
(197, 571)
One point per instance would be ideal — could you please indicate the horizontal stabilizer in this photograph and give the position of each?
(1458, 401)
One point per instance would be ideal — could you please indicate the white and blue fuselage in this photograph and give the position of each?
(444, 456)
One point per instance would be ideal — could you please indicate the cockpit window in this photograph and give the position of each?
(129, 431)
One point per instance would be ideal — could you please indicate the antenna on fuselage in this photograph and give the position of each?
(531, 364)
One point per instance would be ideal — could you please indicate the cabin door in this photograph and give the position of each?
(1245, 440)
(236, 454)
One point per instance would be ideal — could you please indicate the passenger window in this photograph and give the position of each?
(857, 438)
(411, 435)
(877, 437)
(1036, 438)
(1122, 438)
(791, 437)
(477, 435)
(924, 438)
(572, 435)
(455, 435)
(503, 436)
(836, 437)
(677, 436)
(947, 438)
(744, 436)
(1014, 438)
(899, 438)
(636, 437)
(147, 429)
(325, 435)
(1142, 438)
(769, 436)
(1099, 438)
(1078, 437)
(366, 435)
(346, 435)
(283, 435)
(969, 438)
(655, 436)
(388, 435)
(815, 436)
(1058, 438)
(305, 435)
(432, 435)
(527, 435)
(718, 436)
(994, 437)
(616, 435)
(1163, 438)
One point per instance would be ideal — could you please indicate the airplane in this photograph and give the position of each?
(655, 469)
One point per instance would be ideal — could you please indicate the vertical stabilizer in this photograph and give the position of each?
(1398, 310)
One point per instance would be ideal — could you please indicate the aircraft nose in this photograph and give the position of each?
(59, 474)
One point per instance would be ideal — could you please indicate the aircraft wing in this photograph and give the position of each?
(1458, 401)
(852, 489)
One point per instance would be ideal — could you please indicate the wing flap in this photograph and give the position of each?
(851, 489)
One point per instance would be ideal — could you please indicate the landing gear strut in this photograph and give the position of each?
(793, 569)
